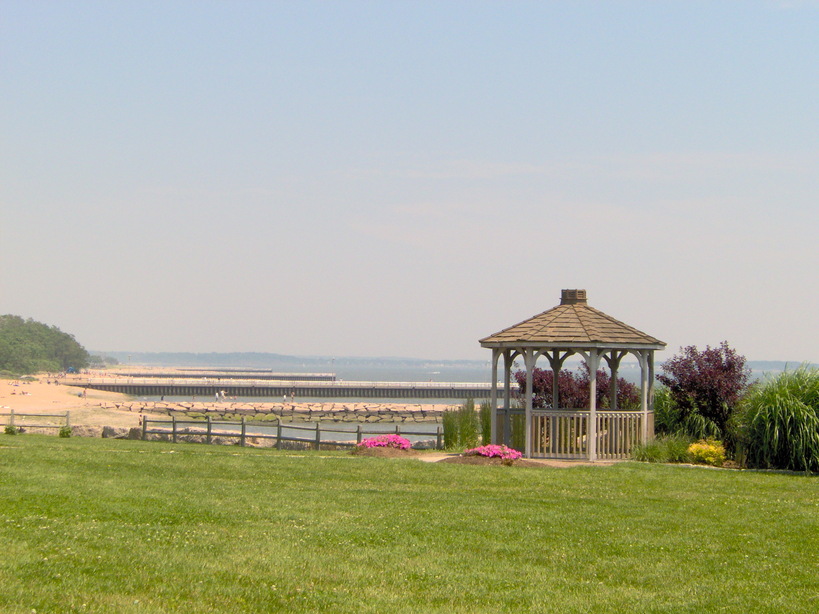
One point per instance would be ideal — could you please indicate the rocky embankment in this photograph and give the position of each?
(289, 412)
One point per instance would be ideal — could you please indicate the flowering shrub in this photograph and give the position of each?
(386, 441)
(707, 451)
(494, 451)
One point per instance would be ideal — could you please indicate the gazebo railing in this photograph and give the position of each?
(564, 433)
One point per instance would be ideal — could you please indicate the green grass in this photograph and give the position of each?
(664, 449)
(95, 525)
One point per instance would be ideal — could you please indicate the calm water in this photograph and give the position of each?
(335, 431)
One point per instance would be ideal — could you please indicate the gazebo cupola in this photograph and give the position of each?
(572, 328)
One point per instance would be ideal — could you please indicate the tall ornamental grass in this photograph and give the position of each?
(779, 423)
(486, 422)
(518, 435)
(461, 427)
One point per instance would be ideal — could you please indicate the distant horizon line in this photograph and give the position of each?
(781, 364)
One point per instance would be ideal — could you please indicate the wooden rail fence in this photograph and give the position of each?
(13, 418)
(565, 434)
(209, 428)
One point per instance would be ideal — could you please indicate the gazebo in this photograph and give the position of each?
(573, 327)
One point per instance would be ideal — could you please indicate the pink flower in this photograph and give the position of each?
(386, 441)
(494, 451)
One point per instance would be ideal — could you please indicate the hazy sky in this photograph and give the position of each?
(404, 178)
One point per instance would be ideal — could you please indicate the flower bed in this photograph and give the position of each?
(386, 441)
(708, 452)
(495, 451)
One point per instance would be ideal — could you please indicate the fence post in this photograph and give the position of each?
(144, 427)
(278, 433)
(209, 438)
(439, 444)
(398, 429)
(11, 418)
(242, 438)
(358, 434)
(173, 427)
(318, 436)
(67, 420)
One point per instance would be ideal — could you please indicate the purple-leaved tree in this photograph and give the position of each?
(573, 389)
(705, 386)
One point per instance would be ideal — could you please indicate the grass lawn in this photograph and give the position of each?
(96, 525)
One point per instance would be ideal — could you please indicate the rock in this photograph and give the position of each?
(86, 431)
(426, 444)
(114, 432)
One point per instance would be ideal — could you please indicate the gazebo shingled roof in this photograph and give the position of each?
(573, 327)
(572, 322)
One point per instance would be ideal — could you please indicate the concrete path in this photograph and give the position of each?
(434, 457)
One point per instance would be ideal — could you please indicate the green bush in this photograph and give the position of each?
(65, 431)
(11, 429)
(669, 419)
(664, 449)
(778, 426)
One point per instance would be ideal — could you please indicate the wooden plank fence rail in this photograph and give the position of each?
(12, 418)
(210, 429)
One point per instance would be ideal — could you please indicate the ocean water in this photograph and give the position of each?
(349, 400)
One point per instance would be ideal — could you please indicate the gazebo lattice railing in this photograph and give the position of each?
(568, 329)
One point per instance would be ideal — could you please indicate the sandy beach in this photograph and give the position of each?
(39, 397)
(99, 408)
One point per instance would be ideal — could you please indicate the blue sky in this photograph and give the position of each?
(404, 178)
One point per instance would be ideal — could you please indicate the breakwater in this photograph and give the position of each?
(224, 374)
(225, 387)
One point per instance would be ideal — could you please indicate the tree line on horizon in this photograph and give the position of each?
(28, 346)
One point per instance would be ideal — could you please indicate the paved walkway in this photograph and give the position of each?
(546, 462)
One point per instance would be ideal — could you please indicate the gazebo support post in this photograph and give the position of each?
(593, 362)
(493, 396)
(650, 432)
(507, 396)
(642, 356)
(556, 363)
(529, 359)
(614, 366)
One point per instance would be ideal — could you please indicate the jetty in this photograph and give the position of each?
(219, 374)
